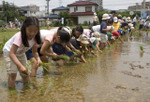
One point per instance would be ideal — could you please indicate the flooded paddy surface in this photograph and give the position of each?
(121, 74)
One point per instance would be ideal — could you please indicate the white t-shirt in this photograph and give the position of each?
(17, 40)
(47, 35)
(87, 32)
(96, 28)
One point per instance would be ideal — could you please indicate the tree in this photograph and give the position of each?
(66, 16)
(9, 12)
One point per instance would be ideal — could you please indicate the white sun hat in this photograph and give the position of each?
(97, 35)
(105, 16)
(95, 14)
(115, 19)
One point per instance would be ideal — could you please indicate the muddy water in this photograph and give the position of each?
(121, 74)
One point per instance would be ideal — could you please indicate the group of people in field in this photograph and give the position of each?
(38, 45)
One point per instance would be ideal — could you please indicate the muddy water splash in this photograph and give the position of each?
(121, 74)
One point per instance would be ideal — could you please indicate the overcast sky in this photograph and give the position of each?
(108, 4)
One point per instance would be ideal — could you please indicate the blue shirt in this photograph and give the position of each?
(103, 26)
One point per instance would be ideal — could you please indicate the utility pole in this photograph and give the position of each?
(48, 7)
(144, 4)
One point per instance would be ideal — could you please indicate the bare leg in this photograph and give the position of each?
(11, 80)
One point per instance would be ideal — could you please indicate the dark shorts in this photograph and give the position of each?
(59, 49)
(30, 55)
(141, 26)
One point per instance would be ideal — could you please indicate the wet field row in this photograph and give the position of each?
(120, 74)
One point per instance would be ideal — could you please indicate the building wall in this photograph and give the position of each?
(82, 19)
(80, 8)
(99, 2)
(140, 7)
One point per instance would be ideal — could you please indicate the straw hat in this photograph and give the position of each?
(83, 39)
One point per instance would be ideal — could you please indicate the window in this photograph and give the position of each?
(88, 9)
(96, 8)
(76, 8)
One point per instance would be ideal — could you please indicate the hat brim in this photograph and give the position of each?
(78, 39)
(98, 39)
(84, 42)
(115, 21)
(106, 18)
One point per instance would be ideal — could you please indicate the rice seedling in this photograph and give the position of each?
(45, 65)
(141, 48)
(64, 57)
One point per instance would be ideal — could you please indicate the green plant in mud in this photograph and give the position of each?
(43, 90)
(141, 48)
(45, 65)
(29, 65)
(64, 57)
(12, 91)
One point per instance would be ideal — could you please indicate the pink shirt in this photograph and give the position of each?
(17, 40)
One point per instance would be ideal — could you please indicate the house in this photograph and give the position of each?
(82, 11)
(99, 2)
(55, 13)
(60, 9)
(30, 10)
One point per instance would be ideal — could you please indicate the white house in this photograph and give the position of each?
(82, 11)
(30, 10)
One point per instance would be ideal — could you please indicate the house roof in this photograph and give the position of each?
(81, 13)
(82, 3)
(52, 16)
(60, 8)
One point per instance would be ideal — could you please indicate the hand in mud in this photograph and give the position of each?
(100, 51)
(54, 56)
(24, 70)
(39, 62)
(78, 51)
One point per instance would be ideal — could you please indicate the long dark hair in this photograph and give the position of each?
(30, 21)
(77, 28)
(64, 35)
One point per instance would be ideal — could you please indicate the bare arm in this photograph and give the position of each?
(83, 59)
(120, 39)
(45, 50)
(15, 59)
(36, 55)
(97, 46)
(74, 48)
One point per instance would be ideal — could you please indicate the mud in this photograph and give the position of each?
(121, 74)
